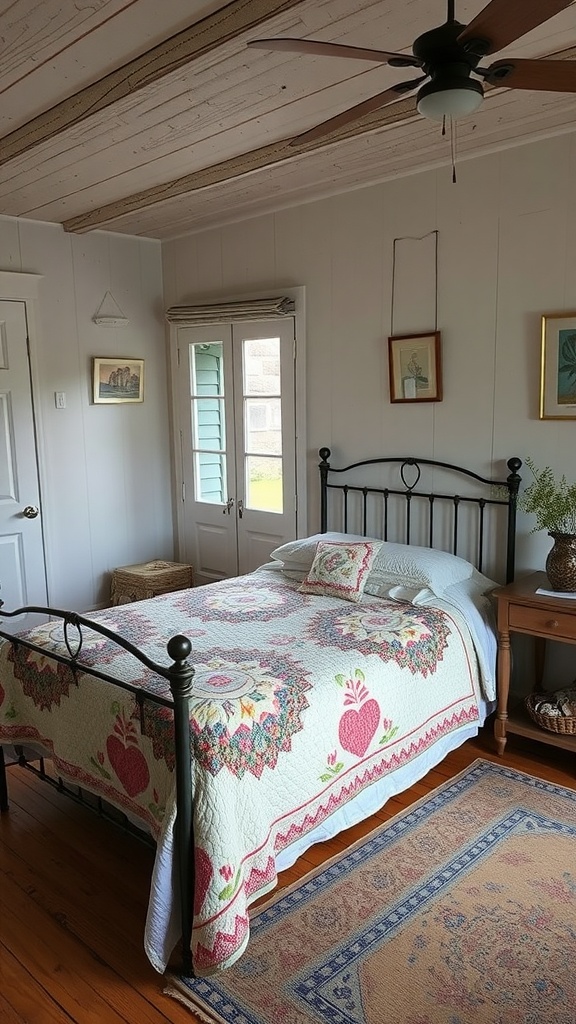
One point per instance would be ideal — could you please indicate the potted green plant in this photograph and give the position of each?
(553, 501)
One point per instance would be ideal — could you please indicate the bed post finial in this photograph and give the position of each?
(181, 674)
(514, 464)
(324, 466)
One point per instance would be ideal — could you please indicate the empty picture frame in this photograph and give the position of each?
(558, 367)
(117, 380)
(415, 367)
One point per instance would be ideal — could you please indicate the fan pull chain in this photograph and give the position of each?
(452, 144)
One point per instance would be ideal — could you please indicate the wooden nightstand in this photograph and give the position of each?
(522, 610)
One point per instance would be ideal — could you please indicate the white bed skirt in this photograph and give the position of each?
(374, 797)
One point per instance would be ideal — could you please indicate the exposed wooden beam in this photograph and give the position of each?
(274, 153)
(180, 49)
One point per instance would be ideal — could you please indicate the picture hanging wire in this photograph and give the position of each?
(414, 238)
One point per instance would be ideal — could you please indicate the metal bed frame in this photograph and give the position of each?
(180, 673)
(503, 493)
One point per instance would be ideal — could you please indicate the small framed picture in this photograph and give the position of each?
(118, 380)
(415, 367)
(558, 367)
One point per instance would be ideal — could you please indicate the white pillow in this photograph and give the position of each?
(298, 555)
(408, 565)
(405, 565)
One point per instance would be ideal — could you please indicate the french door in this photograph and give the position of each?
(237, 444)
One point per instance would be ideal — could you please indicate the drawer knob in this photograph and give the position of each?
(552, 624)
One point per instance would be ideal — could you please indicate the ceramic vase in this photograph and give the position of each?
(561, 562)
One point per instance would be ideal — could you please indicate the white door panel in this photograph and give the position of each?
(7, 454)
(12, 574)
(22, 563)
(214, 548)
(256, 548)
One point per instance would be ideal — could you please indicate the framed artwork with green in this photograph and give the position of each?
(558, 367)
(117, 380)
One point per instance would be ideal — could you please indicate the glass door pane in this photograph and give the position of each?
(262, 424)
(208, 421)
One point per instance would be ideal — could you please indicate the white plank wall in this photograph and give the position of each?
(414, 287)
(504, 258)
(105, 469)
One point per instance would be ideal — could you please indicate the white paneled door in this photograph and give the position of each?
(238, 444)
(22, 563)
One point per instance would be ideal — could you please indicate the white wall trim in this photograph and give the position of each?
(299, 296)
(175, 439)
(19, 286)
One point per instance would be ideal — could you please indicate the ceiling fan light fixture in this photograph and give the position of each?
(455, 98)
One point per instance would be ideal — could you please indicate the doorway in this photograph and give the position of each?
(22, 554)
(237, 440)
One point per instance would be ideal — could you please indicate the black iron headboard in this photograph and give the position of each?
(373, 503)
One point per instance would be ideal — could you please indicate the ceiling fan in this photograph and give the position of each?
(449, 55)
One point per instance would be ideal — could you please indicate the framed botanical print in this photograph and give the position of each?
(415, 367)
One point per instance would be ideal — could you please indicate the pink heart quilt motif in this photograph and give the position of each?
(357, 728)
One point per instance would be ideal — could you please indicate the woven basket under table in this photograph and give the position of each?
(553, 723)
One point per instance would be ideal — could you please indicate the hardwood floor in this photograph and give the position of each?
(73, 893)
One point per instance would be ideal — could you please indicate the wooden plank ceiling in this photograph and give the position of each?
(156, 119)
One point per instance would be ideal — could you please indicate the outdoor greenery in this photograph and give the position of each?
(551, 500)
(266, 494)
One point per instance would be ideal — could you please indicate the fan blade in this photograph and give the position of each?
(381, 99)
(544, 75)
(502, 22)
(400, 60)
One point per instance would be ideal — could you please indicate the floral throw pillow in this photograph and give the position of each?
(340, 569)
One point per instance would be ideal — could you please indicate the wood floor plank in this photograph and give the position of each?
(89, 917)
(8, 1014)
(97, 917)
(52, 812)
(74, 893)
(54, 856)
(22, 995)
(73, 978)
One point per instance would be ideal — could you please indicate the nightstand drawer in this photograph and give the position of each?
(542, 620)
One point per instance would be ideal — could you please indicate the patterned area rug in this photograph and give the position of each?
(461, 910)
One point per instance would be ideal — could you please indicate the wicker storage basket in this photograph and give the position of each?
(553, 723)
(149, 579)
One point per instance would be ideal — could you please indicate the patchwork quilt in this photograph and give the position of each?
(300, 703)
